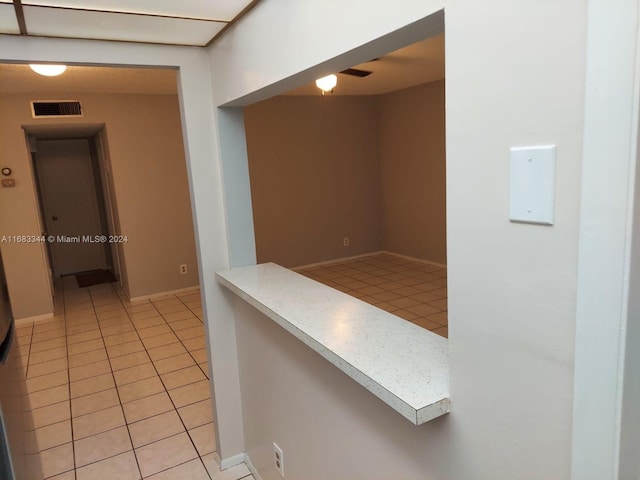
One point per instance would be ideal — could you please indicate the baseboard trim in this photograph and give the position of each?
(157, 296)
(370, 254)
(34, 319)
(231, 461)
(335, 260)
(237, 460)
(428, 262)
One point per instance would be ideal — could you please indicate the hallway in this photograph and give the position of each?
(119, 389)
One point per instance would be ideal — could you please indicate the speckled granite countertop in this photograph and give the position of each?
(404, 365)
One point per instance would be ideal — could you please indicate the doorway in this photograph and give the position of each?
(73, 209)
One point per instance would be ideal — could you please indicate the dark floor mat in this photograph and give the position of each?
(96, 277)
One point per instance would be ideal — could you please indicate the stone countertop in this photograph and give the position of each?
(404, 365)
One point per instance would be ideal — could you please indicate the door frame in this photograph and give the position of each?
(96, 136)
(46, 249)
(101, 145)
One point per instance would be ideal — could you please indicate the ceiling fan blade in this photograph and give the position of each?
(356, 72)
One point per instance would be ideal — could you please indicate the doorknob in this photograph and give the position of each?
(54, 218)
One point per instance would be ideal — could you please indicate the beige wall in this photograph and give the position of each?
(412, 159)
(315, 178)
(147, 158)
(512, 287)
(371, 168)
(327, 425)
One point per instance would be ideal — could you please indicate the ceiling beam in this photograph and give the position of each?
(17, 6)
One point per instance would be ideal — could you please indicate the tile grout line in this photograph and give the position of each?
(206, 374)
(186, 430)
(44, 406)
(166, 391)
(66, 344)
(73, 444)
(206, 330)
(115, 384)
(100, 325)
(120, 370)
(338, 269)
(75, 469)
(189, 308)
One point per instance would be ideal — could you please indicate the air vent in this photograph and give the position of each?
(56, 108)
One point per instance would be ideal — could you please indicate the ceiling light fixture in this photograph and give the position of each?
(48, 70)
(327, 84)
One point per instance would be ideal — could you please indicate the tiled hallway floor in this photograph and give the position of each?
(120, 390)
(413, 290)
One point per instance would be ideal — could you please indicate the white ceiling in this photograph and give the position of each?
(8, 20)
(422, 62)
(416, 64)
(175, 22)
(21, 79)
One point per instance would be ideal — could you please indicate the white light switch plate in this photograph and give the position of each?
(532, 184)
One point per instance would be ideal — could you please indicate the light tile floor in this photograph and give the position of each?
(121, 390)
(413, 290)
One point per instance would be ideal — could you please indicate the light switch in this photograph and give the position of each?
(532, 184)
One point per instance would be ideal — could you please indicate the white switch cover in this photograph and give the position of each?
(532, 185)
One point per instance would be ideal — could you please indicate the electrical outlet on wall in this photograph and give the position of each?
(183, 269)
(278, 459)
(345, 241)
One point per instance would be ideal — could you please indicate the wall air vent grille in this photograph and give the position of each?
(56, 108)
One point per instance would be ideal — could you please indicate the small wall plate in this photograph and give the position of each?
(532, 185)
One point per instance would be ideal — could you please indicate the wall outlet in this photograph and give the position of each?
(278, 459)
(345, 241)
(183, 269)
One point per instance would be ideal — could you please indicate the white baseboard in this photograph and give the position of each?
(231, 461)
(428, 262)
(237, 460)
(158, 296)
(335, 260)
(36, 318)
(370, 254)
